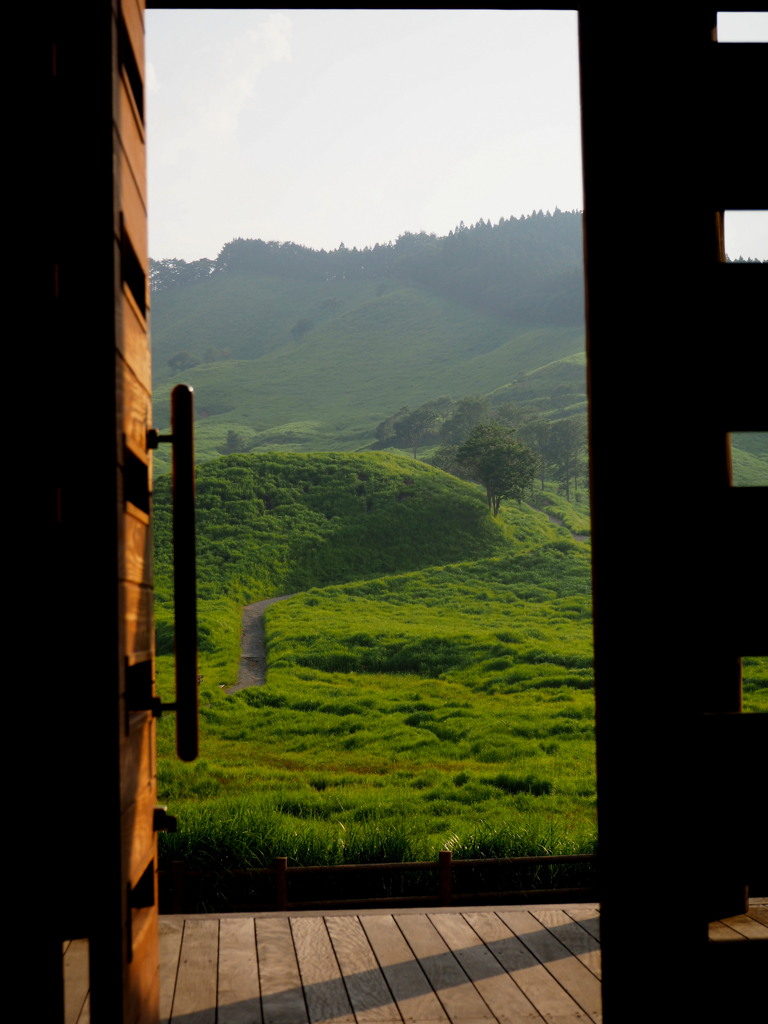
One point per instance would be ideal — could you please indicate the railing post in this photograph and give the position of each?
(446, 879)
(280, 864)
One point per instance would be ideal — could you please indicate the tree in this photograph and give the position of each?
(535, 433)
(468, 412)
(301, 328)
(236, 442)
(414, 428)
(566, 444)
(182, 361)
(492, 457)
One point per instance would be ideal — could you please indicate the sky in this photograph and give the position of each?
(330, 126)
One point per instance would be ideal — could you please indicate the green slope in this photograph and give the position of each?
(373, 346)
(276, 523)
(430, 683)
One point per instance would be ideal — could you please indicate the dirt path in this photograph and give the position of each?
(580, 537)
(252, 668)
(253, 663)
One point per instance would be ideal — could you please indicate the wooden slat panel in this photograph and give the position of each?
(134, 403)
(137, 355)
(324, 990)
(413, 994)
(132, 137)
(137, 551)
(573, 936)
(454, 990)
(497, 988)
(544, 992)
(133, 18)
(136, 603)
(132, 203)
(239, 994)
(195, 997)
(739, 77)
(171, 932)
(138, 835)
(137, 760)
(282, 999)
(368, 992)
(582, 985)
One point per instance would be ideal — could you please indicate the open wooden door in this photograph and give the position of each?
(92, 473)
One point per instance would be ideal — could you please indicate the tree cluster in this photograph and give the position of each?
(528, 268)
(502, 447)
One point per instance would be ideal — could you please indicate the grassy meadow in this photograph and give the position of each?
(405, 712)
(429, 682)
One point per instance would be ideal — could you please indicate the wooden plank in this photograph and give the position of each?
(759, 911)
(579, 982)
(133, 18)
(137, 759)
(588, 917)
(408, 983)
(282, 998)
(136, 550)
(324, 990)
(545, 992)
(171, 932)
(194, 1000)
(239, 995)
(368, 992)
(747, 926)
(132, 343)
(138, 836)
(573, 936)
(132, 205)
(76, 980)
(136, 604)
(134, 403)
(497, 988)
(132, 137)
(719, 931)
(142, 970)
(459, 997)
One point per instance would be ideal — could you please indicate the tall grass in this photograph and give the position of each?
(404, 712)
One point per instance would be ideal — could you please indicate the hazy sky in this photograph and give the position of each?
(330, 126)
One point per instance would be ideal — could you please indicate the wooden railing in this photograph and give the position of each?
(178, 886)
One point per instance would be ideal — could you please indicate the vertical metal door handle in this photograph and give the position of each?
(184, 571)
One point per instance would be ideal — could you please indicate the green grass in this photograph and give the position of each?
(449, 706)
(749, 456)
(403, 713)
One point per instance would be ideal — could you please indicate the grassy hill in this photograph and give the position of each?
(372, 347)
(429, 684)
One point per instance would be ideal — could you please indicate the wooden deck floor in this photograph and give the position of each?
(515, 965)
